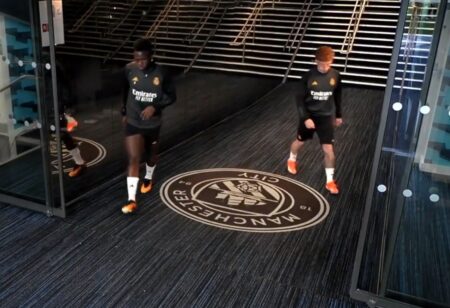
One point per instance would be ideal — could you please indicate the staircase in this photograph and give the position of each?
(263, 37)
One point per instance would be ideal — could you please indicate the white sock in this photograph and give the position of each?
(132, 183)
(149, 170)
(292, 156)
(76, 155)
(329, 172)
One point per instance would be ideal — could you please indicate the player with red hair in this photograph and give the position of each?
(319, 109)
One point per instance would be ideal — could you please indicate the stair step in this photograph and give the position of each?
(114, 25)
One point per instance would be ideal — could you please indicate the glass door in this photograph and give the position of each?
(403, 251)
(29, 144)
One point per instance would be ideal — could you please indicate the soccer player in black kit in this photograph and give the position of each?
(147, 92)
(319, 108)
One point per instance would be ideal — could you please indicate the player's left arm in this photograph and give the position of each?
(169, 93)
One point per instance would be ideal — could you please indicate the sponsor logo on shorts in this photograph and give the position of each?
(244, 200)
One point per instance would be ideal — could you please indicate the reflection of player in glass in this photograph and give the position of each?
(319, 108)
(147, 92)
(67, 123)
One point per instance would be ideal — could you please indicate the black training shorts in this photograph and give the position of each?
(324, 129)
(150, 134)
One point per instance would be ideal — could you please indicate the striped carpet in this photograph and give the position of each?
(98, 257)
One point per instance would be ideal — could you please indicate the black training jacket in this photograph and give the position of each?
(319, 94)
(149, 87)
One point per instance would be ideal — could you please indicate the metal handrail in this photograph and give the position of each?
(205, 42)
(349, 40)
(25, 76)
(302, 13)
(111, 54)
(241, 37)
(294, 55)
(205, 17)
(84, 17)
(125, 17)
(162, 16)
(273, 2)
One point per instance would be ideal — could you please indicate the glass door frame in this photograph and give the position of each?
(50, 208)
(372, 299)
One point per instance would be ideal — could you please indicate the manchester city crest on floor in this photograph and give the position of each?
(244, 200)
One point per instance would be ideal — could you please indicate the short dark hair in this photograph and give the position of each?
(143, 45)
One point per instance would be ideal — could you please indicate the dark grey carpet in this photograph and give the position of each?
(98, 257)
(203, 99)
